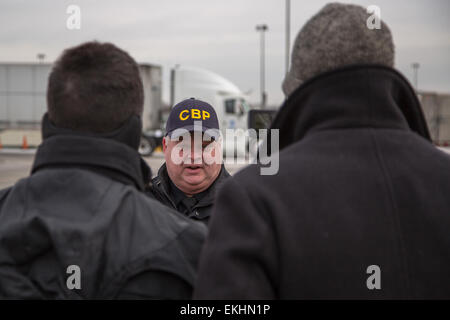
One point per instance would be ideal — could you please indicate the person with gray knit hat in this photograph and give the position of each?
(359, 208)
(337, 36)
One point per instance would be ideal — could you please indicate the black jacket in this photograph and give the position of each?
(359, 184)
(162, 190)
(84, 205)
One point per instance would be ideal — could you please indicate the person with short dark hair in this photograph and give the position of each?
(81, 225)
(360, 207)
(94, 87)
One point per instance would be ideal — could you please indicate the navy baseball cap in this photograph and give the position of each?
(192, 115)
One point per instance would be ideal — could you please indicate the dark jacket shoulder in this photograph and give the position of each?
(92, 213)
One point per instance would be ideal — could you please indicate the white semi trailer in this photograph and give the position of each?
(23, 89)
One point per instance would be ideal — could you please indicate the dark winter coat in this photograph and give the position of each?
(84, 205)
(359, 185)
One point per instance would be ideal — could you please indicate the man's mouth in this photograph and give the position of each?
(193, 167)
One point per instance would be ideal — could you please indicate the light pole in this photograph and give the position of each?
(262, 28)
(415, 67)
(288, 33)
(41, 57)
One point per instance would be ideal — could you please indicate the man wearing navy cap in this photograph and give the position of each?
(194, 169)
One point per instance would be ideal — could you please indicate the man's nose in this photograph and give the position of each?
(196, 153)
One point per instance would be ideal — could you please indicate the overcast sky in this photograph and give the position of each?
(218, 35)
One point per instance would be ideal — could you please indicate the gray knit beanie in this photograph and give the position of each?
(337, 36)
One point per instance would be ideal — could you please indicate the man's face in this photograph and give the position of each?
(192, 165)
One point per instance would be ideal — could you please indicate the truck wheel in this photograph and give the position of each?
(146, 147)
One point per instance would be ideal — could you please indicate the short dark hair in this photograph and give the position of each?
(94, 87)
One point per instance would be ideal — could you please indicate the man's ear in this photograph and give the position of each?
(164, 143)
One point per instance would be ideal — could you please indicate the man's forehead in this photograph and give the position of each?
(193, 135)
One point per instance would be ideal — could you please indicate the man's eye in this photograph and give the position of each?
(181, 145)
(205, 145)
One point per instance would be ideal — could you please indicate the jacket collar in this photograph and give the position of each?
(113, 154)
(163, 183)
(101, 155)
(351, 97)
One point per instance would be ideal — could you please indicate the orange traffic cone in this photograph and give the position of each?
(24, 142)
